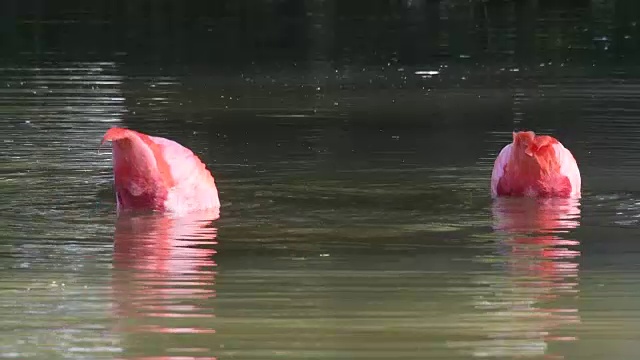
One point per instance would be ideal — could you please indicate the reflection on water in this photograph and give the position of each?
(163, 279)
(525, 308)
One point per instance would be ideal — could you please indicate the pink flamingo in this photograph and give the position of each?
(535, 166)
(153, 173)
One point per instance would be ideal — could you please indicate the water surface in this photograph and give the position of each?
(356, 221)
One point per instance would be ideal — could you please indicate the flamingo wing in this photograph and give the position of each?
(498, 168)
(569, 168)
(194, 185)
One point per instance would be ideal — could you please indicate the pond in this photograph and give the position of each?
(356, 220)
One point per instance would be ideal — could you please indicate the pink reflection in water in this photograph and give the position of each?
(534, 228)
(542, 263)
(163, 270)
(542, 216)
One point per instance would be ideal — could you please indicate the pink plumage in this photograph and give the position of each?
(153, 173)
(535, 166)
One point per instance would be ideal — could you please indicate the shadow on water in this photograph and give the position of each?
(163, 283)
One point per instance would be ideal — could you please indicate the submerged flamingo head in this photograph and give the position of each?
(141, 175)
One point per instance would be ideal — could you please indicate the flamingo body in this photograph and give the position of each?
(535, 166)
(153, 173)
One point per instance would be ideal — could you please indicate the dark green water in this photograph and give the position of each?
(356, 219)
